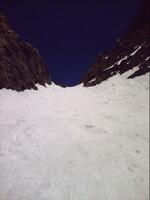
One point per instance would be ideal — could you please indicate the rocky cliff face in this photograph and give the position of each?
(132, 50)
(21, 66)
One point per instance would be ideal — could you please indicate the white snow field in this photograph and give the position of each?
(76, 143)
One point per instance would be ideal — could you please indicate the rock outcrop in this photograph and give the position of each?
(21, 66)
(132, 50)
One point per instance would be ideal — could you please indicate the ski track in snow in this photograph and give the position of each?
(75, 143)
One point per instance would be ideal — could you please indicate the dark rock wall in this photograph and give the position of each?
(21, 66)
(131, 50)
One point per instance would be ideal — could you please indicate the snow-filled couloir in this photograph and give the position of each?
(75, 143)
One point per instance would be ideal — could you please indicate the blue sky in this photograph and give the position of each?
(69, 34)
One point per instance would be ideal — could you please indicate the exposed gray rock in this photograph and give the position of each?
(21, 66)
(131, 50)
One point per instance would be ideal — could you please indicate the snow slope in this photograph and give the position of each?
(75, 143)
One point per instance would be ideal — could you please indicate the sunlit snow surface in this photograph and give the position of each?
(75, 143)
